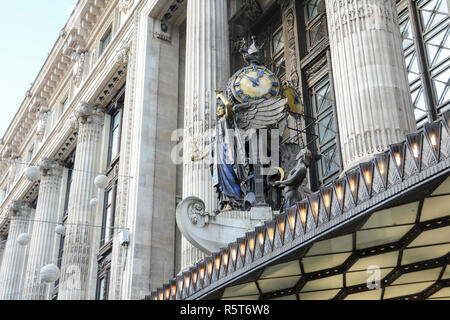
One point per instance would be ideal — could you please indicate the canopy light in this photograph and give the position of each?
(327, 196)
(433, 134)
(339, 189)
(303, 212)
(398, 156)
(367, 174)
(353, 183)
(382, 165)
(292, 216)
(281, 225)
(314, 201)
(415, 144)
(270, 227)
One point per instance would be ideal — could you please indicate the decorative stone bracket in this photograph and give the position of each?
(210, 232)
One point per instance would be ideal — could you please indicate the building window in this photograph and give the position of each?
(103, 283)
(327, 168)
(64, 104)
(105, 41)
(69, 164)
(108, 215)
(315, 22)
(317, 87)
(115, 109)
(424, 27)
(271, 34)
(114, 145)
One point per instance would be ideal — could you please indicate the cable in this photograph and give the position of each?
(70, 169)
(65, 223)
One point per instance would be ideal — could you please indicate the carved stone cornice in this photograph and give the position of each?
(51, 167)
(78, 60)
(123, 52)
(125, 5)
(10, 152)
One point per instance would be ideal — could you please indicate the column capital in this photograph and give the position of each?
(19, 208)
(87, 113)
(50, 167)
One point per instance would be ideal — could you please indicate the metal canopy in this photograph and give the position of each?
(391, 213)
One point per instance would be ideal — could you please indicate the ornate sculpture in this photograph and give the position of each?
(254, 99)
(293, 190)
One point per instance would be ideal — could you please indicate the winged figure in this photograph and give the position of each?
(260, 114)
(231, 169)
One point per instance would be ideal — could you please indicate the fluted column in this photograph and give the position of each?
(77, 244)
(2, 248)
(43, 235)
(207, 70)
(14, 256)
(373, 102)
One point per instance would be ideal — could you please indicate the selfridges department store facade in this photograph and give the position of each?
(89, 185)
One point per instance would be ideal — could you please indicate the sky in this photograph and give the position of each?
(28, 31)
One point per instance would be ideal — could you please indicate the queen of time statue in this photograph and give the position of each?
(254, 99)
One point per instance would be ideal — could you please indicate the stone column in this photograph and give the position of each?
(2, 248)
(14, 257)
(207, 70)
(43, 235)
(77, 244)
(374, 106)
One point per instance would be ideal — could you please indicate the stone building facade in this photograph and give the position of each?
(125, 74)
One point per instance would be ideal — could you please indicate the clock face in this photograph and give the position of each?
(254, 83)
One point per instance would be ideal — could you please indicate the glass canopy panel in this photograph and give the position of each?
(436, 236)
(435, 207)
(405, 289)
(253, 297)
(282, 270)
(374, 237)
(444, 188)
(368, 295)
(334, 282)
(241, 290)
(443, 293)
(446, 274)
(335, 245)
(291, 297)
(404, 214)
(311, 264)
(360, 277)
(384, 260)
(419, 276)
(269, 285)
(424, 253)
(319, 295)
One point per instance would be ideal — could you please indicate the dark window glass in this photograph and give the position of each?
(427, 51)
(325, 129)
(105, 41)
(316, 22)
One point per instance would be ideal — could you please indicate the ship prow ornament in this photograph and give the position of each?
(252, 105)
